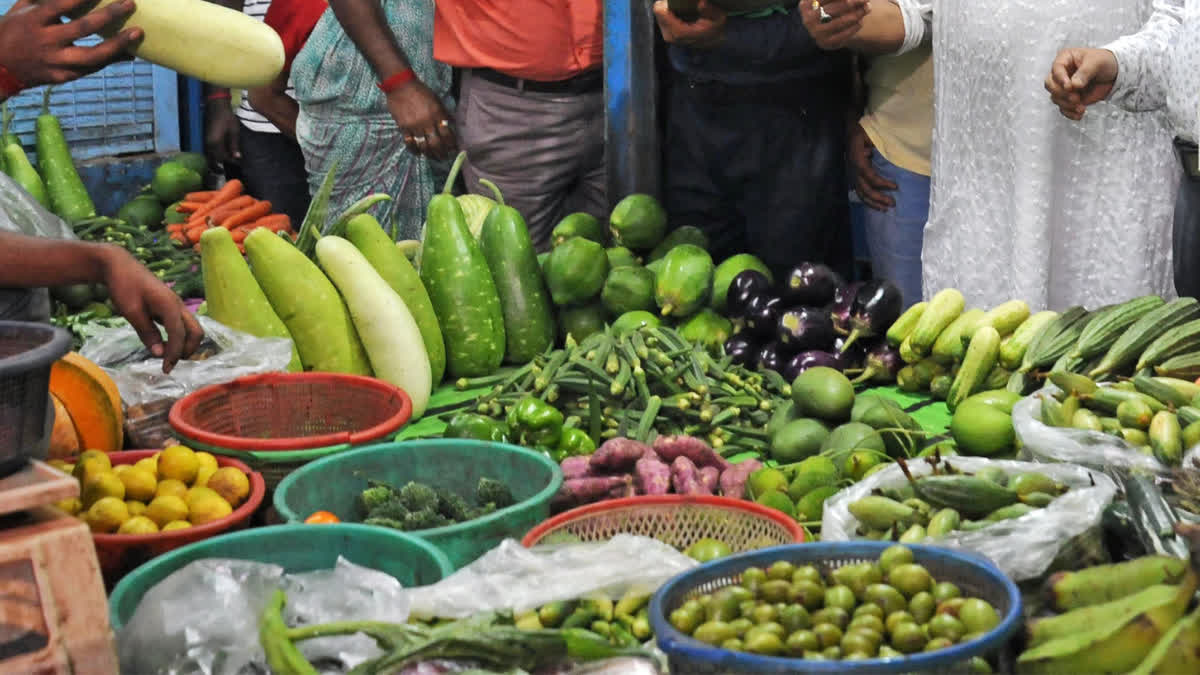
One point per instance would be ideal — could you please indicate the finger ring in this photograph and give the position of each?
(825, 17)
(444, 123)
(418, 139)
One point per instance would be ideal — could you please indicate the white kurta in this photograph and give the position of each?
(1024, 202)
(1160, 66)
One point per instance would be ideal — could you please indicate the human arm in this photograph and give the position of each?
(872, 188)
(416, 109)
(773, 39)
(220, 124)
(139, 296)
(275, 104)
(883, 27)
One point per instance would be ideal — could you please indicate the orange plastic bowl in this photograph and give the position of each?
(121, 553)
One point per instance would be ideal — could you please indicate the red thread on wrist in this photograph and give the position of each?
(398, 80)
(219, 96)
(9, 85)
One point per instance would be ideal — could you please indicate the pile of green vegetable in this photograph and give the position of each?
(417, 506)
(625, 623)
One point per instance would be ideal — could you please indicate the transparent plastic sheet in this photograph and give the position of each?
(203, 618)
(21, 213)
(1093, 449)
(512, 577)
(224, 355)
(1023, 548)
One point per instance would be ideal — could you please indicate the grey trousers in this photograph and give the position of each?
(544, 151)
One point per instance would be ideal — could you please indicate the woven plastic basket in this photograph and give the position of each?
(27, 351)
(278, 422)
(974, 575)
(676, 520)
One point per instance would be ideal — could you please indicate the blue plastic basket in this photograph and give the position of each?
(976, 576)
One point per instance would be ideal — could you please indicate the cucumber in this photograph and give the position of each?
(508, 249)
(17, 165)
(461, 288)
(389, 261)
(68, 197)
(946, 306)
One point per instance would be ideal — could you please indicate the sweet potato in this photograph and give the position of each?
(685, 477)
(651, 476)
(709, 475)
(699, 452)
(577, 491)
(618, 454)
(576, 467)
(733, 480)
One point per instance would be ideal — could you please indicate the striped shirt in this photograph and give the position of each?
(250, 117)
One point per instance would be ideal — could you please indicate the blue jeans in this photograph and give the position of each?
(894, 236)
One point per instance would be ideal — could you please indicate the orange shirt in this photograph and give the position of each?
(542, 40)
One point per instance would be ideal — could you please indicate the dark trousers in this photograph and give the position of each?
(1186, 239)
(272, 168)
(764, 176)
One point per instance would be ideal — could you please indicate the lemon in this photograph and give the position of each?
(203, 475)
(121, 468)
(136, 508)
(138, 525)
(207, 461)
(176, 525)
(103, 484)
(207, 508)
(71, 506)
(107, 514)
(166, 508)
(139, 484)
(231, 484)
(148, 464)
(91, 466)
(199, 492)
(69, 469)
(170, 487)
(178, 462)
(95, 454)
(61, 465)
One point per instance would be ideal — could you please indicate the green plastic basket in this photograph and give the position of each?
(297, 548)
(334, 483)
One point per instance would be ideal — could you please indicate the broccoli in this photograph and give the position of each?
(491, 491)
(417, 496)
(453, 506)
(424, 519)
(385, 522)
(392, 509)
(483, 510)
(375, 495)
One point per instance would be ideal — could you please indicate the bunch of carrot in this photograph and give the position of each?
(228, 208)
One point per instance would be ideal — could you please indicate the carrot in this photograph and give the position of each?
(179, 238)
(201, 196)
(196, 247)
(239, 235)
(193, 232)
(223, 210)
(241, 248)
(189, 207)
(276, 222)
(247, 215)
(174, 227)
(228, 191)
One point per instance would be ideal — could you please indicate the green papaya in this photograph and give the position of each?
(575, 271)
(577, 224)
(628, 289)
(685, 283)
(631, 321)
(707, 328)
(619, 256)
(680, 235)
(638, 222)
(730, 268)
(580, 322)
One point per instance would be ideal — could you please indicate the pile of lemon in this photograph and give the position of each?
(173, 489)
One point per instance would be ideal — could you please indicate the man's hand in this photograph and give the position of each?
(844, 23)
(870, 186)
(38, 48)
(142, 299)
(423, 119)
(221, 134)
(1080, 77)
(706, 32)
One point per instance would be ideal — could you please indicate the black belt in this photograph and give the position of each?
(584, 83)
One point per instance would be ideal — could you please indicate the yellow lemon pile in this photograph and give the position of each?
(170, 490)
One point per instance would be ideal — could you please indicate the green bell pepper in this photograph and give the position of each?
(535, 423)
(574, 442)
(477, 427)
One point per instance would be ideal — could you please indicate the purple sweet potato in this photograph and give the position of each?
(709, 475)
(576, 467)
(618, 454)
(577, 491)
(733, 479)
(699, 452)
(651, 476)
(686, 477)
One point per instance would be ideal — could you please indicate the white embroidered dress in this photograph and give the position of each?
(1161, 68)
(1024, 202)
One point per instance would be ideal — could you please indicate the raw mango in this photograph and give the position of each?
(684, 284)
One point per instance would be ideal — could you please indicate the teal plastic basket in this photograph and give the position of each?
(297, 548)
(334, 483)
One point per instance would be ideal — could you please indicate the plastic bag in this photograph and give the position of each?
(203, 618)
(224, 355)
(512, 577)
(1022, 548)
(22, 214)
(1093, 449)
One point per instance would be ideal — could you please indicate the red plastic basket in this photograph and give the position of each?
(677, 520)
(291, 411)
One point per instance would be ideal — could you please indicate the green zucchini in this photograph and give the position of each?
(948, 347)
(464, 295)
(1013, 348)
(1130, 345)
(68, 197)
(903, 326)
(945, 306)
(1055, 340)
(528, 322)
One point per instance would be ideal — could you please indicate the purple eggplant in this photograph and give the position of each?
(747, 284)
(876, 306)
(742, 349)
(882, 364)
(842, 305)
(811, 284)
(852, 356)
(811, 359)
(762, 315)
(805, 328)
(772, 356)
